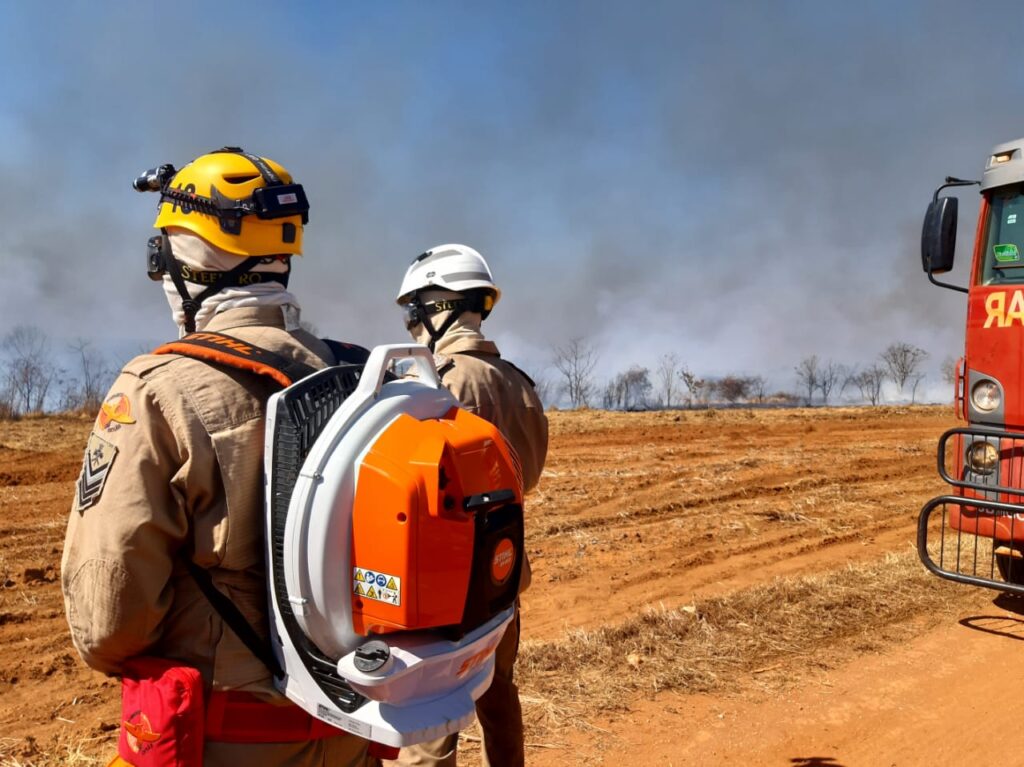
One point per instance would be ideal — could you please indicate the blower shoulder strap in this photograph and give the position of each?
(347, 354)
(232, 616)
(222, 349)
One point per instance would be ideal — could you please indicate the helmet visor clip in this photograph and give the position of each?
(413, 314)
(155, 267)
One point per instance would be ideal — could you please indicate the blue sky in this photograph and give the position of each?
(739, 183)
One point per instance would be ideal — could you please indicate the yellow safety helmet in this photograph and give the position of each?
(239, 202)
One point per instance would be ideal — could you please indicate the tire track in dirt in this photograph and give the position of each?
(591, 513)
(803, 501)
(46, 693)
(27, 467)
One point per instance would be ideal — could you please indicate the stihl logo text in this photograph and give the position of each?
(476, 660)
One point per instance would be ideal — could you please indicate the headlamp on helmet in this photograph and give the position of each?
(154, 179)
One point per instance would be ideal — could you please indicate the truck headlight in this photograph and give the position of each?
(982, 457)
(985, 396)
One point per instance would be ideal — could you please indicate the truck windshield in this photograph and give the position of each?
(1004, 237)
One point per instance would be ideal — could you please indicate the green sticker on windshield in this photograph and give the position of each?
(1006, 253)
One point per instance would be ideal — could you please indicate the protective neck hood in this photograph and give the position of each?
(465, 326)
(197, 253)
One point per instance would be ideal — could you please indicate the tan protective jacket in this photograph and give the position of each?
(174, 466)
(472, 369)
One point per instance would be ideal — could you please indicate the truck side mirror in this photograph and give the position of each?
(938, 236)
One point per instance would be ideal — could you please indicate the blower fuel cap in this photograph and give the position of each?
(372, 656)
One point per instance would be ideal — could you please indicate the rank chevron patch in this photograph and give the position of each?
(99, 457)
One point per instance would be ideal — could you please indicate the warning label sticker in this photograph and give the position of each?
(373, 584)
(346, 723)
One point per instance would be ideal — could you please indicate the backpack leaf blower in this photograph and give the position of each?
(394, 530)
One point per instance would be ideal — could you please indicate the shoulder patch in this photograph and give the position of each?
(115, 411)
(99, 457)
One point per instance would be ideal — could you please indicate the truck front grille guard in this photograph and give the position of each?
(967, 558)
(962, 556)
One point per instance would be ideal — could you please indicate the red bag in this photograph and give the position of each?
(162, 714)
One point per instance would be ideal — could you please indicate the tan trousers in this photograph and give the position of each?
(329, 752)
(497, 710)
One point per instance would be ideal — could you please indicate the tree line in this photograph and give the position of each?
(32, 381)
(673, 384)
(900, 363)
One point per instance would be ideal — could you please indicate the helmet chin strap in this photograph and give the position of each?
(436, 334)
(190, 304)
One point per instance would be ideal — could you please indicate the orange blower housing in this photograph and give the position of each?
(437, 527)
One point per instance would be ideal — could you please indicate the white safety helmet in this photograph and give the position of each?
(457, 268)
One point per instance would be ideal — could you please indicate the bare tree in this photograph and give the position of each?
(7, 410)
(667, 374)
(84, 392)
(914, 383)
(949, 370)
(611, 395)
(629, 390)
(758, 388)
(807, 376)
(637, 388)
(902, 361)
(699, 389)
(869, 381)
(29, 370)
(829, 376)
(576, 361)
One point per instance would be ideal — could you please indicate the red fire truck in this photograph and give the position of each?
(975, 534)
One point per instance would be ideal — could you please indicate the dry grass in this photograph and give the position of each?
(27, 752)
(720, 644)
(588, 421)
(46, 433)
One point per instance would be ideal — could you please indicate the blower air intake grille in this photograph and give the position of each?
(301, 416)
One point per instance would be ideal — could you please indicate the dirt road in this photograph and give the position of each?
(941, 700)
(635, 512)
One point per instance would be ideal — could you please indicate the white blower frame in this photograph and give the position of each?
(418, 693)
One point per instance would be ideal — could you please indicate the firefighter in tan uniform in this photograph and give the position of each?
(173, 472)
(446, 294)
